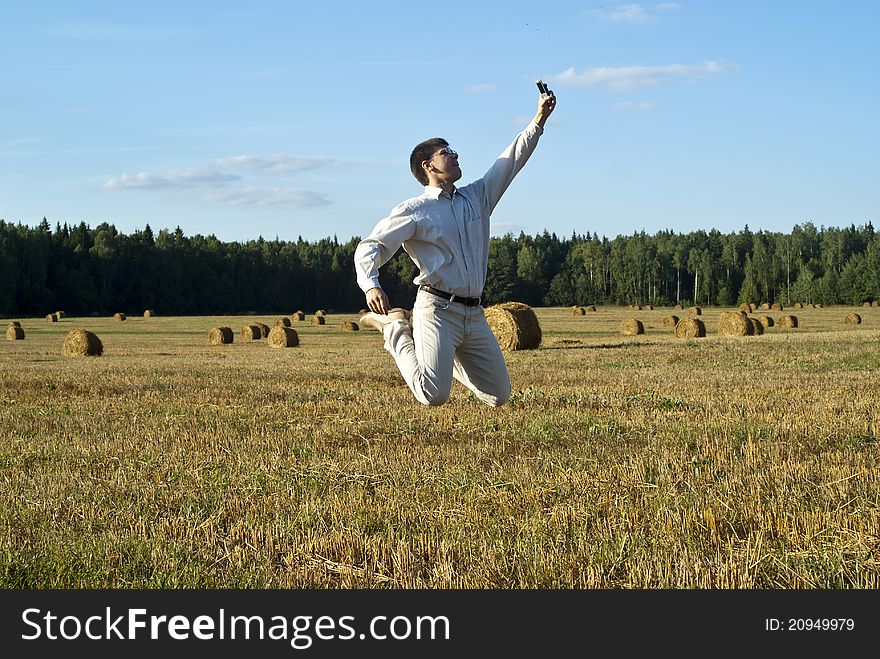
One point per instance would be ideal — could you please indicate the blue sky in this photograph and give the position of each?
(297, 119)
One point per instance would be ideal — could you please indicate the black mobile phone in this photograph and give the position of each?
(542, 86)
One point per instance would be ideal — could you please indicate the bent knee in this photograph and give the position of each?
(435, 400)
(497, 399)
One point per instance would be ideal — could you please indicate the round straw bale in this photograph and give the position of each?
(819, 305)
(82, 343)
(765, 307)
(14, 333)
(149, 313)
(514, 325)
(220, 335)
(283, 337)
(690, 328)
(318, 320)
(734, 324)
(787, 321)
(349, 326)
(52, 318)
(635, 307)
(875, 303)
(670, 321)
(251, 332)
(695, 311)
(119, 316)
(264, 329)
(363, 312)
(578, 311)
(320, 312)
(867, 304)
(776, 306)
(798, 305)
(283, 321)
(745, 307)
(766, 321)
(14, 323)
(631, 327)
(590, 308)
(851, 319)
(60, 314)
(757, 326)
(678, 307)
(753, 307)
(649, 307)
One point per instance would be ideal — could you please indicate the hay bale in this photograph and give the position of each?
(695, 311)
(52, 318)
(82, 343)
(631, 327)
(765, 306)
(318, 320)
(787, 321)
(678, 307)
(590, 308)
(349, 326)
(251, 332)
(875, 303)
(690, 328)
(578, 311)
(220, 335)
(14, 323)
(119, 316)
(514, 325)
(867, 305)
(776, 306)
(264, 329)
(363, 312)
(734, 324)
(670, 321)
(635, 307)
(649, 307)
(149, 313)
(320, 312)
(745, 306)
(766, 321)
(283, 337)
(819, 305)
(14, 333)
(757, 326)
(60, 314)
(798, 305)
(851, 319)
(283, 321)
(298, 316)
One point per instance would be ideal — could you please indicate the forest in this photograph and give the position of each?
(83, 270)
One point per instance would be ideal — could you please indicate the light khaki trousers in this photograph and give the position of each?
(446, 340)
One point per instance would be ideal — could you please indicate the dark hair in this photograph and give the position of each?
(421, 153)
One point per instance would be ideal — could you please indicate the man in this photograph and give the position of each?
(445, 231)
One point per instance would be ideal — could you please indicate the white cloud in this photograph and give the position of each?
(187, 178)
(630, 105)
(623, 14)
(273, 164)
(668, 6)
(629, 78)
(287, 197)
(483, 87)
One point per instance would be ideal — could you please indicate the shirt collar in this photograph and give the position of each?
(435, 192)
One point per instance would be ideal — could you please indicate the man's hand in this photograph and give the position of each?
(378, 301)
(546, 105)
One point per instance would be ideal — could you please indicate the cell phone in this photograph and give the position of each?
(542, 86)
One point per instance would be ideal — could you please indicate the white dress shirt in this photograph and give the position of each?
(446, 236)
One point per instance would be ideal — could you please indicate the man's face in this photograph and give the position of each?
(445, 164)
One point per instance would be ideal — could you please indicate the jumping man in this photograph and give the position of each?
(445, 231)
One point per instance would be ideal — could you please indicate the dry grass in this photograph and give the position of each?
(620, 462)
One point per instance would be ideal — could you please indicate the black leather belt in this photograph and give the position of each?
(467, 301)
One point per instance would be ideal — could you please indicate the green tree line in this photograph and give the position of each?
(83, 270)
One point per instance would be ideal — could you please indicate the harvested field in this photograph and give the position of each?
(642, 462)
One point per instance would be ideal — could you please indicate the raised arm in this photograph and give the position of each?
(514, 157)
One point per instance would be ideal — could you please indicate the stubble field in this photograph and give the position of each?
(620, 462)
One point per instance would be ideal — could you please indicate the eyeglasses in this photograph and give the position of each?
(446, 151)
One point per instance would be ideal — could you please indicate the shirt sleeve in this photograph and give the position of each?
(509, 163)
(384, 240)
